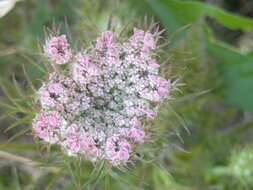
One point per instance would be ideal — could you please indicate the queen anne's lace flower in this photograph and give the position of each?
(96, 107)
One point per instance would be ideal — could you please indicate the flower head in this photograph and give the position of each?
(103, 97)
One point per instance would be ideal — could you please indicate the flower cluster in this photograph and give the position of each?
(58, 50)
(96, 106)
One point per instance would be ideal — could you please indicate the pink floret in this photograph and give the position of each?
(153, 65)
(58, 49)
(160, 89)
(46, 125)
(117, 150)
(73, 139)
(137, 37)
(148, 42)
(105, 41)
(88, 146)
(136, 132)
(84, 70)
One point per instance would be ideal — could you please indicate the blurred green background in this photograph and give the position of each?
(207, 129)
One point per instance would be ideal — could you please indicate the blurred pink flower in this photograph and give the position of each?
(47, 124)
(58, 49)
(96, 107)
(117, 150)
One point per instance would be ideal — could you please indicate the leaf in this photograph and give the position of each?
(236, 70)
(162, 180)
(26, 161)
(19, 122)
(174, 14)
(15, 177)
(18, 134)
(6, 6)
(96, 173)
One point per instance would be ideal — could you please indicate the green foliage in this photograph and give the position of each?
(240, 165)
(235, 67)
(237, 70)
(176, 13)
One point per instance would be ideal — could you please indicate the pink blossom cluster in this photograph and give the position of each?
(97, 105)
(58, 50)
